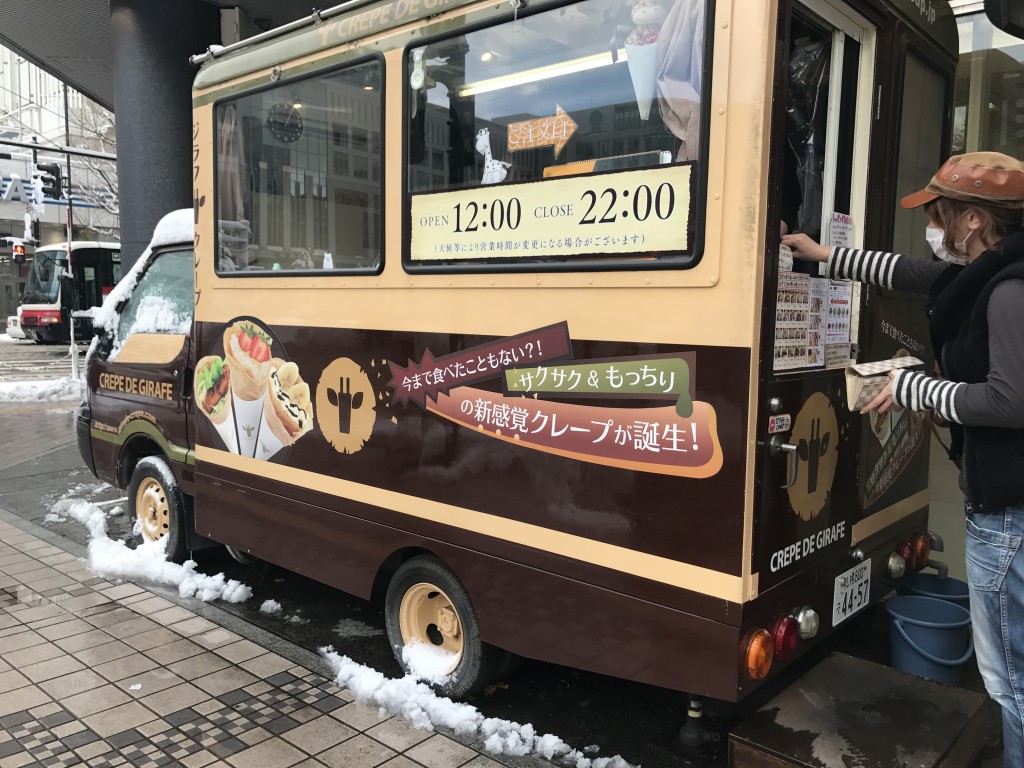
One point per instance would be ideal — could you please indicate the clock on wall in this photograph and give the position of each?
(285, 122)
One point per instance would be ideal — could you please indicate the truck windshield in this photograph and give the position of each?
(43, 278)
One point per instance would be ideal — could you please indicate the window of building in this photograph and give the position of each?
(989, 94)
(286, 200)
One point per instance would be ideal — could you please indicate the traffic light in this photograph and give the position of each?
(49, 175)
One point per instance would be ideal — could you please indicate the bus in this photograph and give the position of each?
(52, 293)
(486, 316)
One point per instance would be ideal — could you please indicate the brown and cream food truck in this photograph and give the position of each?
(490, 318)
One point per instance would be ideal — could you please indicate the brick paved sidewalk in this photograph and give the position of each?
(110, 674)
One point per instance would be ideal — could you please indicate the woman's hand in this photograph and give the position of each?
(806, 249)
(883, 400)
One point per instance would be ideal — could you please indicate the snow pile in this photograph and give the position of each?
(52, 517)
(147, 562)
(50, 390)
(430, 663)
(270, 606)
(418, 703)
(174, 228)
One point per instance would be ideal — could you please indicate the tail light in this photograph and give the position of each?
(760, 652)
(896, 566)
(807, 622)
(922, 550)
(41, 317)
(786, 637)
(916, 552)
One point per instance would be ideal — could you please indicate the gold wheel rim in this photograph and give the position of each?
(427, 615)
(152, 510)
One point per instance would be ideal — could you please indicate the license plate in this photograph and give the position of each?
(852, 592)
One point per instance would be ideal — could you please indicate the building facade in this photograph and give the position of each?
(36, 108)
(988, 102)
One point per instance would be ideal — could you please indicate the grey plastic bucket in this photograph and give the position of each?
(933, 585)
(929, 637)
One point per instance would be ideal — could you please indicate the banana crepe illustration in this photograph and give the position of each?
(247, 354)
(212, 389)
(287, 409)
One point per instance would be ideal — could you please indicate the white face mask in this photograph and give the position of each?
(935, 236)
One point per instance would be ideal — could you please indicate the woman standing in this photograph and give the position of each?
(975, 207)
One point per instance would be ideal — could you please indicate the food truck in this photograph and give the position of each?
(484, 312)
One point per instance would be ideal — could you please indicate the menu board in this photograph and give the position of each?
(816, 321)
(840, 310)
(792, 308)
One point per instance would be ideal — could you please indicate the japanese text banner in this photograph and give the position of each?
(432, 376)
(661, 378)
(643, 439)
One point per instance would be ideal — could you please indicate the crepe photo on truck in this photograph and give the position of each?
(247, 353)
(213, 395)
(287, 409)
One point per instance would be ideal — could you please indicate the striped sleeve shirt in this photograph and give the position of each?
(999, 400)
(886, 270)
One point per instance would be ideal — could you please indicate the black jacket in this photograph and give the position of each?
(992, 457)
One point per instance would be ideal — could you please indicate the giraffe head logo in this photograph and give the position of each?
(816, 435)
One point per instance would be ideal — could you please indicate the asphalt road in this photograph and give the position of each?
(26, 360)
(39, 465)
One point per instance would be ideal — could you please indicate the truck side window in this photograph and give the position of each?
(162, 299)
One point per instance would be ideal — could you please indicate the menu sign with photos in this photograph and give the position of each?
(815, 321)
(792, 309)
(840, 308)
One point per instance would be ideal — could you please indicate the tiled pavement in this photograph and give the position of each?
(94, 673)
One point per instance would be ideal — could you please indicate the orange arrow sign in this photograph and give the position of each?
(542, 132)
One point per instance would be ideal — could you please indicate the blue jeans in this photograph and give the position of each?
(995, 574)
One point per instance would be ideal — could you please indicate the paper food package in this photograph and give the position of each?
(643, 70)
(865, 381)
(247, 354)
(287, 409)
(212, 387)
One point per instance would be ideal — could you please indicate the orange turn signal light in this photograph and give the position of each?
(759, 654)
(922, 550)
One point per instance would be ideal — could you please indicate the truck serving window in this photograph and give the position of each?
(298, 182)
(573, 137)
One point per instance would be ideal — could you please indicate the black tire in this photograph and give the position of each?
(158, 507)
(478, 660)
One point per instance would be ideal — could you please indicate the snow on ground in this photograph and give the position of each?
(270, 606)
(428, 662)
(147, 562)
(50, 390)
(418, 703)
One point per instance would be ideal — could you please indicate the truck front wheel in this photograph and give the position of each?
(159, 507)
(427, 604)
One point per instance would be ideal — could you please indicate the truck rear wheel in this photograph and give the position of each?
(159, 507)
(426, 603)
